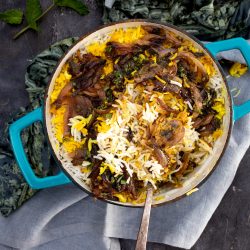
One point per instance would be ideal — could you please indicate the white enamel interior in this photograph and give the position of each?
(199, 173)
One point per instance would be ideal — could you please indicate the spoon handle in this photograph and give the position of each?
(143, 232)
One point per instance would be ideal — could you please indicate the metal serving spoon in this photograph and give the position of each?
(143, 231)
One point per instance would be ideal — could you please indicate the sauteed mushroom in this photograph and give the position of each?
(196, 97)
(75, 105)
(202, 121)
(195, 68)
(168, 133)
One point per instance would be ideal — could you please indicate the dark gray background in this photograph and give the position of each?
(229, 227)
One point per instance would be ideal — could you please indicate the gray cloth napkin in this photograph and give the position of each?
(58, 218)
(66, 218)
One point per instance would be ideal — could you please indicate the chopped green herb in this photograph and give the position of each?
(14, 16)
(110, 96)
(119, 179)
(76, 5)
(108, 116)
(123, 182)
(108, 49)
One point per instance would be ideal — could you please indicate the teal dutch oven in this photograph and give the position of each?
(67, 175)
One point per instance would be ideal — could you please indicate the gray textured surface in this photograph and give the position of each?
(229, 227)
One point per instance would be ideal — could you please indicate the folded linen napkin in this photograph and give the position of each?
(57, 214)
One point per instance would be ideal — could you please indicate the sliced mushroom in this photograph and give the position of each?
(95, 171)
(154, 30)
(168, 133)
(196, 97)
(75, 105)
(115, 49)
(89, 61)
(167, 35)
(159, 86)
(193, 66)
(74, 67)
(79, 155)
(171, 38)
(163, 52)
(66, 91)
(174, 133)
(150, 40)
(202, 121)
(209, 128)
(82, 105)
(91, 69)
(68, 104)
(147, 72)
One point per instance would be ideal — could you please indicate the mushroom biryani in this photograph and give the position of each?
(140, 106)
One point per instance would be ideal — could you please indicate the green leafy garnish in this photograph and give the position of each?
(118, 79)
(32, 13)
(109, 95)
(14, 16)
(76, 5)
(108, 49)
(112, 179)
(119, 179)
(108, 116)
(123, 182)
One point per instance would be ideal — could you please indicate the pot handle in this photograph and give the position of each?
(21, 158)
(234, 43)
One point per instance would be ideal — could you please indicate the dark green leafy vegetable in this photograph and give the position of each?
(14, 16)
(32, 13)
(14, 190)
(225, 19)
(76, 5)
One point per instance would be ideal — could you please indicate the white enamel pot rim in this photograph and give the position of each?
(201, 173)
